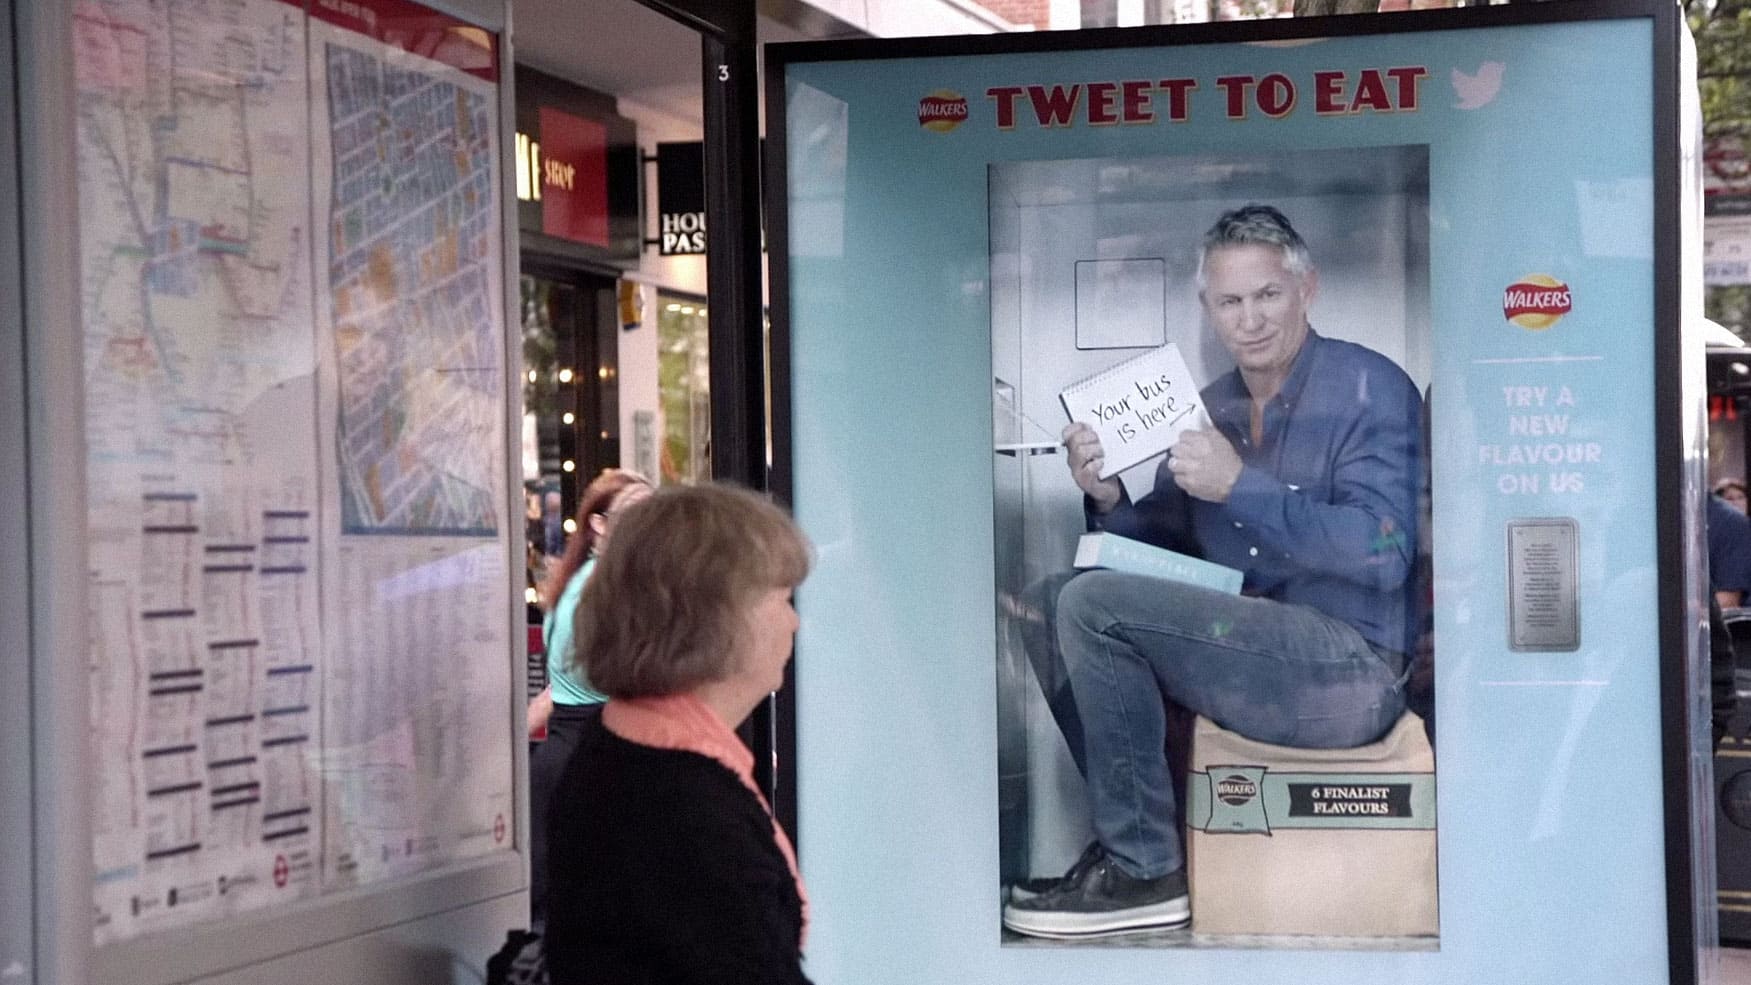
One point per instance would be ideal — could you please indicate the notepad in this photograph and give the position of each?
(1138, 407)
(1102, 549)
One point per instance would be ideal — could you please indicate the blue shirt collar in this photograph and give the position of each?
(1229, 402)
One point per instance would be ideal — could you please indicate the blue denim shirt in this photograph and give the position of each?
(1729, 547)
(1324, 513)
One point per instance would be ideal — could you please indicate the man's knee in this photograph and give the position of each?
(1084, 603)
(1099, 599)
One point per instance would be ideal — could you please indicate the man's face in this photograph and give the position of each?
(1258, 306)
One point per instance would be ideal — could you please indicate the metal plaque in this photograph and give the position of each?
(1544, 608)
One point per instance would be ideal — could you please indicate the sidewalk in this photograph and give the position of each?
(1735, 966)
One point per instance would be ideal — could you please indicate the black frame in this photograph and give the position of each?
(1677, 503)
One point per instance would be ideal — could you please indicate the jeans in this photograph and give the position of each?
(1112, 649)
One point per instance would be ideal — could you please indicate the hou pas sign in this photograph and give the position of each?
(681, 198)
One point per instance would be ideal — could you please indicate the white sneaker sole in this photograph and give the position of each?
(1165, 915)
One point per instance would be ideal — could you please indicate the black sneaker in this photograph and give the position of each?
(1104, 900)
(1041, 885)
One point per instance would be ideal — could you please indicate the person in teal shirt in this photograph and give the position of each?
(566, 686)
(569, 703)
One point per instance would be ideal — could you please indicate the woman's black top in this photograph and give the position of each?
(663, 868)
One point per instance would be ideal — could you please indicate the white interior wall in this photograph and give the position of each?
(638, 377)
(682, 274)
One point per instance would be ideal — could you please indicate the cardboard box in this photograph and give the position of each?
(1331, 842)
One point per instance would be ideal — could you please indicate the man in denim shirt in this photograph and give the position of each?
(1308, 483)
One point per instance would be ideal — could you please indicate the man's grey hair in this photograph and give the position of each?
(1260, 225)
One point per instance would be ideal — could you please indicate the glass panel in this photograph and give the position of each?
(293, 308)
(684, 382)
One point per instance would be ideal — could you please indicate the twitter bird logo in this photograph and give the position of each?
(1478, 89)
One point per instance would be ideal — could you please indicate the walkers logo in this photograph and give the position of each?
(1235, 790)
(942, 111)
(1229, 799)
(1536, 302)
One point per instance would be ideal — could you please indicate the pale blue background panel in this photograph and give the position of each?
(1540, 163)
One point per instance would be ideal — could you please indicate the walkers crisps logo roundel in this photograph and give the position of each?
(1536, 302)
(942, 111)
(1235, 789)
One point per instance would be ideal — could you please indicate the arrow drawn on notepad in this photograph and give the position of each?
(1480, 88)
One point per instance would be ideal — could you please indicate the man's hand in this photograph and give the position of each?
(1204, 464)
(1085, 457)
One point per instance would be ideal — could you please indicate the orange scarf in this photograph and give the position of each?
(684, 723)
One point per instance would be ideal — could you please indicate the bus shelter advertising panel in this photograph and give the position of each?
(1248, 465)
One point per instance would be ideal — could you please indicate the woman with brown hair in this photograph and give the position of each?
(665, 862)
(569, 701)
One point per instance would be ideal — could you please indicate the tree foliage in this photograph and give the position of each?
(1722, 29)
(1723, 64)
